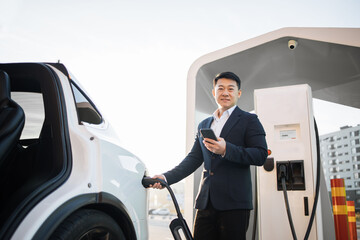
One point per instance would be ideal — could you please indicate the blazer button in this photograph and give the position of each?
(211, 173)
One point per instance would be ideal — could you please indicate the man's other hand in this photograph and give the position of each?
(158, 185)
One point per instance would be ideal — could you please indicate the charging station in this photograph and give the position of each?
(325, 58)
(287, 116)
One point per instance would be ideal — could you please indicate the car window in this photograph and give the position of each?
(33, 106)
(85, 109)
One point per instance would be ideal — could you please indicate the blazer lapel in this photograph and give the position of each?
(233, 119)
(208, 121)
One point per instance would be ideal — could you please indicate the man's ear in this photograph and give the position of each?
(239, 94)
(213, 92)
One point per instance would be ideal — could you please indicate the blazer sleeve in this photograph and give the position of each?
(192, 161)
(254, 150)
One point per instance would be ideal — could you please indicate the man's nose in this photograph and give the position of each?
(225, 93)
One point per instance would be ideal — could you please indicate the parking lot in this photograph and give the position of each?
(159, 227)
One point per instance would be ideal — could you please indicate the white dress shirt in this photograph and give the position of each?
(218, 123)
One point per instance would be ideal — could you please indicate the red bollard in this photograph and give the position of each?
(338, 195)
(352, 220)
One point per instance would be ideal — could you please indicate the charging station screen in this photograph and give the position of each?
(287, 134)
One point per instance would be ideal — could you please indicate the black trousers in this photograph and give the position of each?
(211, 224)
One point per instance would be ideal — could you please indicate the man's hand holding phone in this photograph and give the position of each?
(212, 143)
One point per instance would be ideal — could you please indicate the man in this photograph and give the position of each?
(224, 200)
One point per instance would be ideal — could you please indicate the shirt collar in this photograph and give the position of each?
(227, 112)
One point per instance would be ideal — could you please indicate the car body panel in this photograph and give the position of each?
(99, 165)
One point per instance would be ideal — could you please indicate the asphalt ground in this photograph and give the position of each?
(159, 227)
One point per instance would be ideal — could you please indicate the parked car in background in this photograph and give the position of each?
(161, 211)
(63, 173)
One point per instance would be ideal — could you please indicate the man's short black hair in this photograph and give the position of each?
(228, 75)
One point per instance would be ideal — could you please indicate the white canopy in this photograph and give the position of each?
(328, 59)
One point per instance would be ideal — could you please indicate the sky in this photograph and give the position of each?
(132, 57)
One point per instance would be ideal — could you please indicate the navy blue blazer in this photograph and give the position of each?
(226, 180)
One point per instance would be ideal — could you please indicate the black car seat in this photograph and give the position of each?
(12, 119)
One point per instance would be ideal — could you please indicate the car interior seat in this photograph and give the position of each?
(12, 119)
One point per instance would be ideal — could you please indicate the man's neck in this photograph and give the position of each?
(222, 110)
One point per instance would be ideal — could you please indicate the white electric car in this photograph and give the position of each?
(63, 174)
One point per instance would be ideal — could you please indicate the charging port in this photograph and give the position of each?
(297, 175)
(293, 171)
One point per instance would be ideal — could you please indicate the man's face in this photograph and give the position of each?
(226, 93)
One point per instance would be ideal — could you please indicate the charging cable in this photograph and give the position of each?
(317, 187)
(283, 175)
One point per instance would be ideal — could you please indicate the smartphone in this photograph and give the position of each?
(208, 133)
